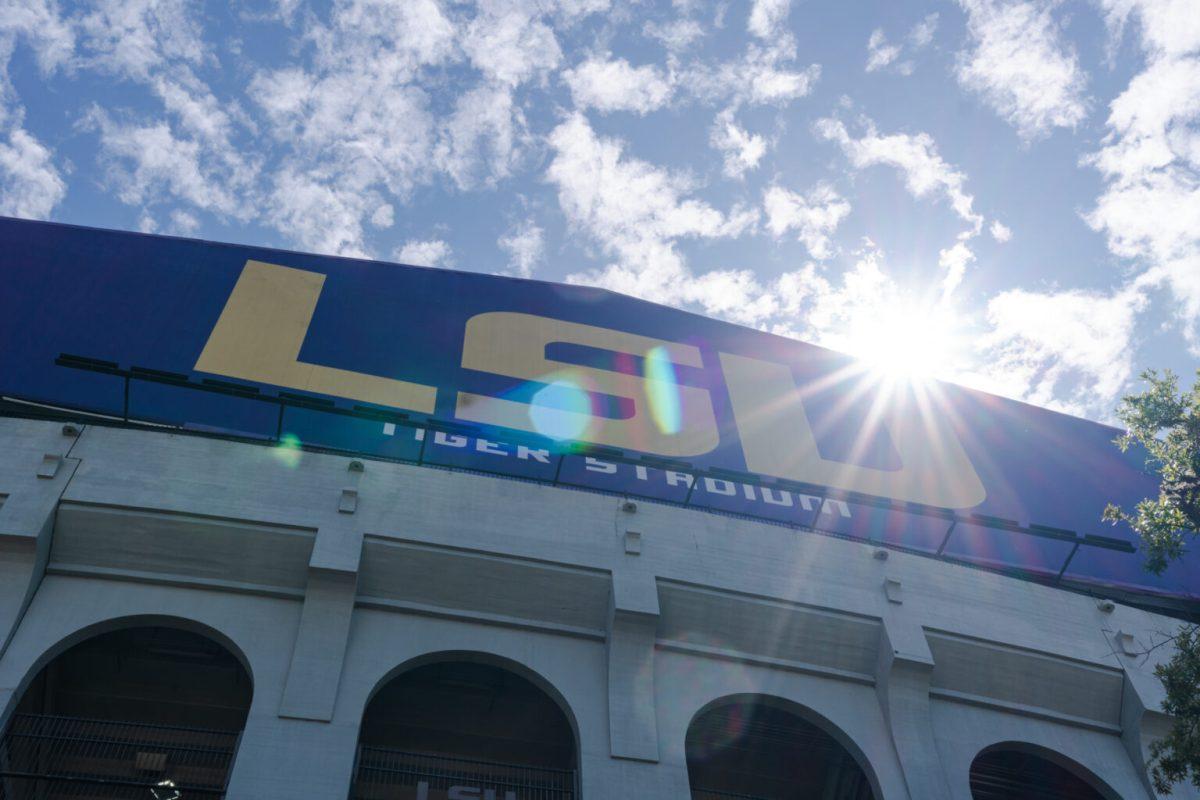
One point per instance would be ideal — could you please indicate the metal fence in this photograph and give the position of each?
(46, 757)
(393, 775)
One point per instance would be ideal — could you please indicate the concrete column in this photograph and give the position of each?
(320, 649)
(632, 627)
(26, 527)
(301, 752)
(902, 683)
(1143, 721)
(293, 759)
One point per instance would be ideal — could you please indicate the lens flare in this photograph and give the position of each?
(662, 390)
(288, 452)
(561, 410)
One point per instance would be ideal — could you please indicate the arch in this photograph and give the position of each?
(1016, 770)
(121, 623)
(736, 743)
(486, 724)
(139, 700)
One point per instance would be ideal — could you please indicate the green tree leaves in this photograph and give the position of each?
(1166, 422)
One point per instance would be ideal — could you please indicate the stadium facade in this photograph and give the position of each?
(280, 526)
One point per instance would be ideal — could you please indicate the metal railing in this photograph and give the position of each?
(45, 757)
(952, 540)
(394, 775)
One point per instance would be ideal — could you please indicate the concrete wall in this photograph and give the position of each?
(327, 581)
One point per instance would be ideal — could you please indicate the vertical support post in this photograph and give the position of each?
(902, 676)
(632, 628)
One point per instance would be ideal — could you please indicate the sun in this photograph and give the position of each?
(907, 339)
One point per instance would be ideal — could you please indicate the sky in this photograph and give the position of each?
(1000, 193)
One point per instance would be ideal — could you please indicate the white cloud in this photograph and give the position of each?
(571, 11)
(677, 35)
(1018, 62)
(636, 212)
(356, 114)
(340, 115)
(30, 186)
(814, 217)
(1000, 232)
(922, 33)
(879, 52)
(144, 162)
(767, 17)
(1149, 210)
(763, 75)
(608, 84)
(915, 156)
(741, 149)
(187, 151)
(385, 98)
(1168, 27)
(184, 223)
(317, 213)
(510, 43)
(134, 38)
(525, 245)
(480, 142)
(735, 295)
(197, 109)
(830, 313)
(1070, 350)
(39, 23)
(384, 216)
(424, 253)
(954, 261)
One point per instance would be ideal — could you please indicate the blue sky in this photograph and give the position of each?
(1004, 193)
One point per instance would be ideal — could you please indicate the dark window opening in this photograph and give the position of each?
(145, 713)
(462, 729)
(756, 751)
(1019, 775)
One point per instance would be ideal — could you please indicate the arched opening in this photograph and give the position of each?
(760, 748)
(464, 730)
(145, 713)
(1021, 772)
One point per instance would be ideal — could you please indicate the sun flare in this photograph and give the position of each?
(906, 340)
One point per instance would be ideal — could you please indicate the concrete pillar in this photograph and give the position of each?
(1143, 721)
(902, 677)
(293, 759)
(320, 648)
(301, 753)
(29, 502)
(632, 628)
